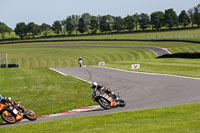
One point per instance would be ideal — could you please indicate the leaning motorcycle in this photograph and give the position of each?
(12, 112)
(107, 101)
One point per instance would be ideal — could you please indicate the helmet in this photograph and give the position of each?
(94, 85)
(1, 98)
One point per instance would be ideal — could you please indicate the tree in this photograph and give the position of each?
(75, 22)
(45, 28)
(81, 26)
(197, 15)
(129, 23)
(33, 29)
(94, 24)
(63, 24)
(69, 25)
(86, 18)
(136, 20)
(4, 29)
(157, 20)
(20, 30)
(104, 24)
(57, 28)
(171, 19)
(191, 15)
(184, 18)
(118, 24)
(143, 21)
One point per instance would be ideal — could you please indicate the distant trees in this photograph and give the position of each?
(157, 20)
(81, 26)
(75, 22)
(129, 23)
(45, 28)
(4, 29)
(171, 19)
(86, 18)
(184, 18)
(105, 22)
(20, 30)
(86, 23)
(144, 21)
(191, 15)
(136, 20)
(94, 24)
(69, 25)
(33, 29)
(57, 27)
(118, 24)
(197, 15)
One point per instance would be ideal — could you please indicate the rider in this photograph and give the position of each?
(80, 61)
(96, 87)
(5, 100)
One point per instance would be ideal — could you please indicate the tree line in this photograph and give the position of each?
(89, 24)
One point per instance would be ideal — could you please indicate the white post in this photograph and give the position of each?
(0, 60)
(6, 60)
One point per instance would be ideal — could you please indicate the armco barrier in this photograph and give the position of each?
(9, 66)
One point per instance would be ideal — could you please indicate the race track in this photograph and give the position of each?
(158, 51)
(141, 90)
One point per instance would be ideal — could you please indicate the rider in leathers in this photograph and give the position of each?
(96, 87)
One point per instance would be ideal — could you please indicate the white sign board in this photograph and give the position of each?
(135, 66)
(102, 63)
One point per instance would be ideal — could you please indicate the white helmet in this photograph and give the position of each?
(94, 85)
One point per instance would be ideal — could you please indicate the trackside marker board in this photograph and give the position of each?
(102, 63)
(135, 66)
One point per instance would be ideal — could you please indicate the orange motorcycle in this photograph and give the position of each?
(107, 101)
(12, 112)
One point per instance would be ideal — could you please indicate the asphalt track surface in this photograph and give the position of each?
(158, 51)
(139, 90)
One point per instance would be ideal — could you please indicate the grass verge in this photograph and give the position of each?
(176, 119)
(43, 90)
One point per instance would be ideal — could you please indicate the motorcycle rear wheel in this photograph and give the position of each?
(10, 118)
(104, 103)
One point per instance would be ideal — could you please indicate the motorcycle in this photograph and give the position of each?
(107, 101)
(12, 112)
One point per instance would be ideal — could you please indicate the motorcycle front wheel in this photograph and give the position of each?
(30, 115)
(104, 103)
(122, 103)
(8, 117)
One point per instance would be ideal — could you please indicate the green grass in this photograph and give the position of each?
(43, 90)
(47, 92)
(176, 119)
(67, 57)
(192, 35)
(182, 67)
(171, 35)
(173, 46)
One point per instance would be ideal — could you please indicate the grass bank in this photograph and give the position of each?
(189, 35)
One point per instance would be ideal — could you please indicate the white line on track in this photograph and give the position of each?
(66, 75)
(150, 73)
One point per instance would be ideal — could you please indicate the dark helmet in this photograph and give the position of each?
(94, 85)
